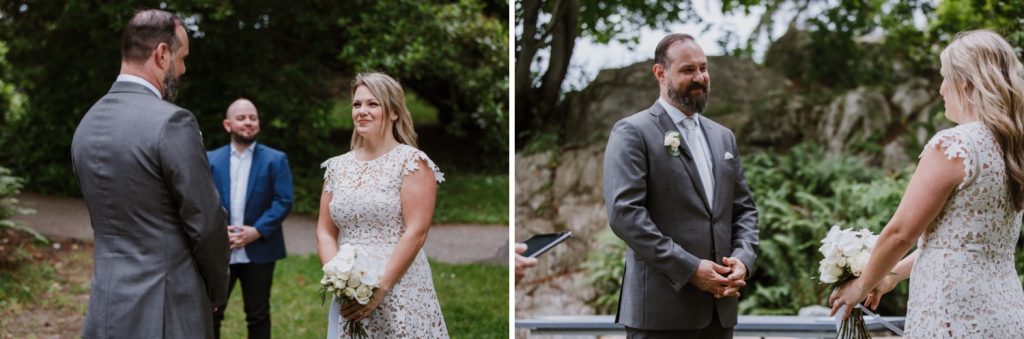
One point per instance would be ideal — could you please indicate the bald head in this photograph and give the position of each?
(240, 105)
(242, 122)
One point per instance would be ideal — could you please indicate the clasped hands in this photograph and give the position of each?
(721, 281)
(241, 236)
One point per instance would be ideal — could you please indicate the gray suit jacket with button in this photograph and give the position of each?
(161, 253)
(657, 205)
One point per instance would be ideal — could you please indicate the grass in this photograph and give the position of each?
(461, 199)
(474, 300)
(472, 198)
(45, 294)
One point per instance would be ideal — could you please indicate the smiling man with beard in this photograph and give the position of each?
(255, 185)
(676, 194)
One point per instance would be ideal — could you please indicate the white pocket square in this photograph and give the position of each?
(728, 156)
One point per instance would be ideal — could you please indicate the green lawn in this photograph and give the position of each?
(474, 299)
(472, 198)
(461, 199)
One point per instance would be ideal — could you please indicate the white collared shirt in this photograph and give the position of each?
(140, 81)
(241, 163)
(677, 119)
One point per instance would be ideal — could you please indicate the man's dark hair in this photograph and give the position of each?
(146, 30)
(660, 56)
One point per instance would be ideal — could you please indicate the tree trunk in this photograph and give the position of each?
(564, 31)
(528, 45)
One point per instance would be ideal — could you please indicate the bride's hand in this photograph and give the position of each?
(850, 294)
(885, 286)
(354, 311)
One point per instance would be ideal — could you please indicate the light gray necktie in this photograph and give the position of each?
(700, 158)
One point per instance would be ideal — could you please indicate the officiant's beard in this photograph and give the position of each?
(694, 103)
(171, 83)
(242, 140)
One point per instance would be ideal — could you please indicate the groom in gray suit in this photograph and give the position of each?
(161, 253)
(677, 196)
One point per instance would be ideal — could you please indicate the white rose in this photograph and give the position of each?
(346, 252)
(373, 276)
(851, 244)
(829, 272)
(858, 263)
(354, 280)
(672, 140)
(363, 294)
(350, 292)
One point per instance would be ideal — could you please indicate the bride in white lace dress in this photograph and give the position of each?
(380, 196)
(962, 207)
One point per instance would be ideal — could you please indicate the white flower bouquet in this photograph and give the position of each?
(846, 254)
(351, 276)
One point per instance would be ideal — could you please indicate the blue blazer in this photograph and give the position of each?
(268, 197)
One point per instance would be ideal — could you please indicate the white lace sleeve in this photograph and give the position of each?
(413, 163)
(956, 143)
(329, 174)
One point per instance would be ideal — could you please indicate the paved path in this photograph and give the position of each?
(68, 217)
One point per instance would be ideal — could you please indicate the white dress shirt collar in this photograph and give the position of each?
(248, 150)
(140, 81)
(677, 115)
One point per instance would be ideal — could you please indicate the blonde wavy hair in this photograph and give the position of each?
(987, 80)
(392, 98)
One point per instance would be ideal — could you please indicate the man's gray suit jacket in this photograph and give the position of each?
(161, 254)
(657, 205)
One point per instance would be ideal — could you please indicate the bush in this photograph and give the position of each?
(9, 187)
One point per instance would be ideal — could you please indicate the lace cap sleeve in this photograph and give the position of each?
(956, 143)
(412, 163)
(329, 173)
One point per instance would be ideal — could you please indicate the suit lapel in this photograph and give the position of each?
(254, 172)
(717, 150)
(664, 122)
(223, 176)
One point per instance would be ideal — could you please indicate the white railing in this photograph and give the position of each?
(747, 326)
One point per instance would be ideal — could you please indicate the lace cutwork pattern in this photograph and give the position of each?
(366, 207)
(964, 283)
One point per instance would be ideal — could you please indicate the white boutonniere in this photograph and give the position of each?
(672, 142)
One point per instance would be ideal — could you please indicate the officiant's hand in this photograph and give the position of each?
(354, 311)
(241, 236)
(850, 294)
(710, 277)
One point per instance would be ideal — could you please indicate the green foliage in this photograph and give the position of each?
(474, 300)
(799, 195)
(604, 266)
(10, 186)
(294, 60)
(469, 83)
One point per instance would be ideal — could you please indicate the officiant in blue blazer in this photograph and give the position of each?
(255, 186)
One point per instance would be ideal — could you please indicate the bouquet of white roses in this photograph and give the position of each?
(846, 254)
(351, 276)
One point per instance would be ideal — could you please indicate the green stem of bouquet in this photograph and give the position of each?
(854, 326)
(355, 329)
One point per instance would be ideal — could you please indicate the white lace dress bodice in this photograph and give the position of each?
(964, 283)
(366, 207)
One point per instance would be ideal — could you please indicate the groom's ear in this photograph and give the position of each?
(227, 125)
(659, 71)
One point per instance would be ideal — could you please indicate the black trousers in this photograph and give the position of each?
(256, 279)
(714, 330)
